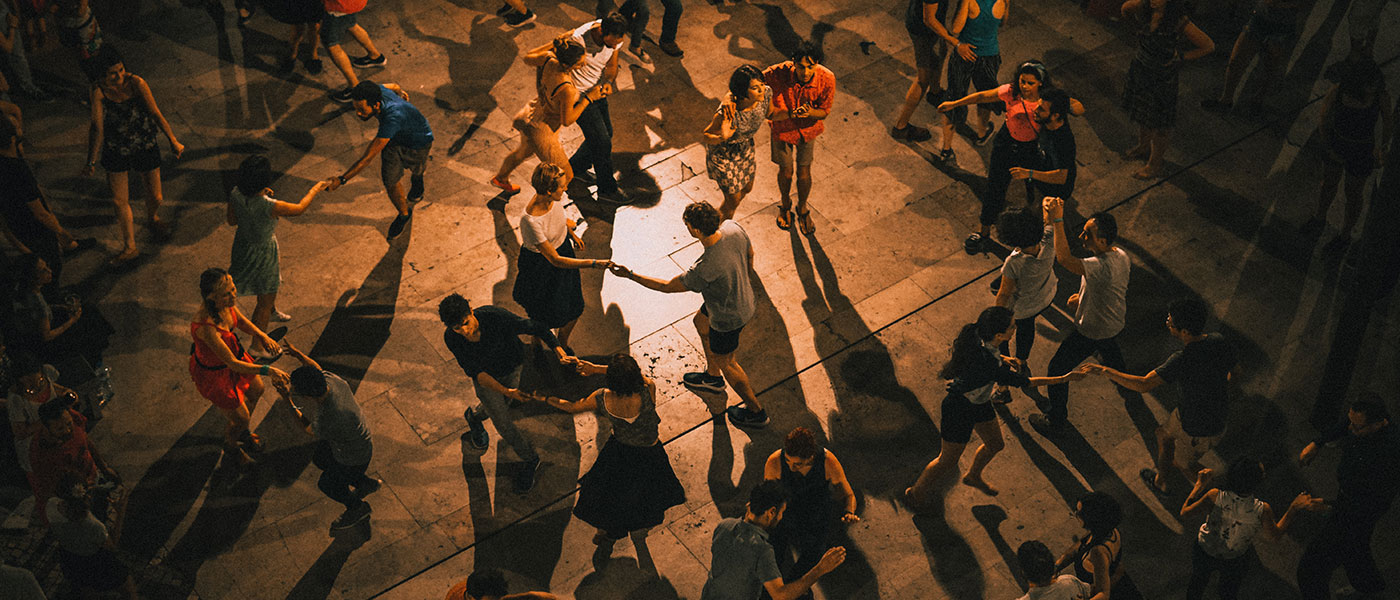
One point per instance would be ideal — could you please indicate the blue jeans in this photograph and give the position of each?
(638, 13)
(595, 154)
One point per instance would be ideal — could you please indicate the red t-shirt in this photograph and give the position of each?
(51, 460)
(1020, 115)
(789, 93)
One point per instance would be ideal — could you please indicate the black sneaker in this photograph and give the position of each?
(415, 190)
(524, 479)
(743, 417)
(975, 244)
(704, 382)
(947, 157)
(371, 486)
(352, 517)
(342, 96)
(515, 19)
(505, 8)
(583, 177)
(476, 433)
(365, 62)
(671, 49)
(910, 133)
(935, 97)
(1046, 426)
(616, 197)
(400, 222)
(313, 66)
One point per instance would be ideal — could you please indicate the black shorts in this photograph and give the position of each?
(722, 342)
(1358, 159)
(928, 51)
(959, 416)
(980, 73)
(140, 161)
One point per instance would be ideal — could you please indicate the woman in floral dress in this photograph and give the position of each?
(729, 156)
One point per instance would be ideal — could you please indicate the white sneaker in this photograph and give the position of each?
(280, 316)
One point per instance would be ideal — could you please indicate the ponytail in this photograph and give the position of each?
(968, 343)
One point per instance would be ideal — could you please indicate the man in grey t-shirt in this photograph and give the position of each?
(721, 275)
(344, 450)
(742, 563)
(1099, 308)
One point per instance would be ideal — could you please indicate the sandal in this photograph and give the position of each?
(1149, 477)
(804, 222)
(784, 220)
(946, 156)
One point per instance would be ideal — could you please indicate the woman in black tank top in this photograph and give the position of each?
(1097, 558)
(818, 492)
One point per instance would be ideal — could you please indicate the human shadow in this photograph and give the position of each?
(951, 560)
(534, 542)
(625, 578)
(990, 517)
(319, 580)
(474, 68)
(360, 324)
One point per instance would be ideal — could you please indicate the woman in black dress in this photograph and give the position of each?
(631, 484)
(973, 370)
(1348, 133)
(809, 473)
(547, 283)
(1150, 93)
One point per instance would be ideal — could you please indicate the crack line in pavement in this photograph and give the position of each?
(1289, 114)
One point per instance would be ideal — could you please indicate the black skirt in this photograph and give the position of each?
(628, 488)
(550, 295)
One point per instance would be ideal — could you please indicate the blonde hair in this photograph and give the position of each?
(547, 178)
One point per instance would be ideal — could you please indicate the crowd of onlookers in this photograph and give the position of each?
(787, 537)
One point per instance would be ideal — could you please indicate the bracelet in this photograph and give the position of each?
(1059, 220)
(265, 370)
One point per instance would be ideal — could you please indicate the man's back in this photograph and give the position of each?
(721, 275)
(741, 561)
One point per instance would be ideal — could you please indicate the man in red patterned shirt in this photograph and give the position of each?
(802, 94)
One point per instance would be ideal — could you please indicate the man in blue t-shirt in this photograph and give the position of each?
(403, 141)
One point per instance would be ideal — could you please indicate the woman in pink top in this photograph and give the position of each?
(1016, 145)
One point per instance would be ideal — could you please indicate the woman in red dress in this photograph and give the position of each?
(222, 370)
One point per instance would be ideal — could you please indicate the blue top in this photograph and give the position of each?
(401, 122)
(981, 31)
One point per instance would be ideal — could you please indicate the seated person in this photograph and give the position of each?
(62, 446)
(84, 546)
(54, 335)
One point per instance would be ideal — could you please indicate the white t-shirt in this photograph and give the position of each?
(1034, 275)
(595, 57)
(1065, 587)
(1103, 295)
(551, 227)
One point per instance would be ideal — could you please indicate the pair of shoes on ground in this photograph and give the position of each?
(738, 415)
(476, 435)
(515, 18)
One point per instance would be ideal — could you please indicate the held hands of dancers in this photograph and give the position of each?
(1054, 208)
(619, 270)
(1306, 501)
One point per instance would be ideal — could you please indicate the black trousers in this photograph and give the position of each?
(595, 154)
(337, 479)
(1344, 542)
(638, 13)
(1232, 571)
(1025, 338)
(1007, 153)
(1071, 352)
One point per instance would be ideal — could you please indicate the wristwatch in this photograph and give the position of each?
(341, 179)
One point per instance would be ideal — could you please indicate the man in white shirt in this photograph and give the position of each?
(1038, 565)
(1100, 308)
(600, 40)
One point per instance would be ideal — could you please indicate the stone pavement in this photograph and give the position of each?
(852, 324)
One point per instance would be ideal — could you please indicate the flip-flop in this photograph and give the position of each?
(804, 223)
(784, 220)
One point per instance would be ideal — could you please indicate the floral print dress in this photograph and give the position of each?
(731, 164)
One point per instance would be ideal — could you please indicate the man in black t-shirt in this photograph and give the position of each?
(28, 223)
(1056, 174)
(486, 344)
(1202, 371)
(924, 20)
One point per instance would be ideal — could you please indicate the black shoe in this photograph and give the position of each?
(704, 382)
(515, 19)
(935, 97)
(671, 49)
(365, 62)
(505, 8)
(352, 517)
(371, 486)
(415, 189)
(476, 433)
(743, 417)
(1046, 426)
(910, 133)
(975, 244)
(986, 137)
(524, 479)
(396, 228)
(947, 157)
(583, 177)
(341, 96)
(313, 66)
(616, 197)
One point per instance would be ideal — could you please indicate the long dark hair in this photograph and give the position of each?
(207, 280)
(624, 375)
(254, 175)
(968, 345)
(741, 78)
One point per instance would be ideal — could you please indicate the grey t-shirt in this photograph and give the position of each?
(1065, 587)
(721, 275)
(741, 560)
(339, 421)
(1103, 295)
(1035, 284)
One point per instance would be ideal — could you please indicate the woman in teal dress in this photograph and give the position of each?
(254, 211)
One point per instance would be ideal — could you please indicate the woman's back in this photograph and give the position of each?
(1233, 523)
(550, 78)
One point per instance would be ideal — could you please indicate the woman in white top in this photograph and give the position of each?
(547, 283)
(1027, 283)
(1236, 517)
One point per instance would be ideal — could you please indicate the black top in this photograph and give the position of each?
(1202, 370)
(1368, 474)
(1082, 553)
(809, 496)
(988, 369)
(499, 350)
(914, 16)
(17, 189)
(1058, 145)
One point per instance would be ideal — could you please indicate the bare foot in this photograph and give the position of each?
(1148, 172)
(1136, 152)
(126, 256)
(980, 484)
